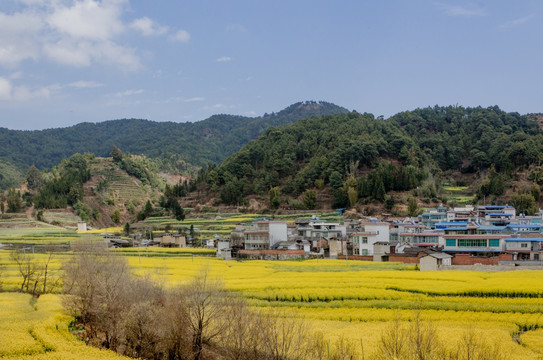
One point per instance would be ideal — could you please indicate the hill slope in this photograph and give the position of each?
(199, 143)
(359, 157)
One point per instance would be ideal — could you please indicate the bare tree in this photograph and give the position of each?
(423, 339)
(207, 307)
(99, 284)
(284, 336)
(26, 266)
(141, 325)
(392, 344)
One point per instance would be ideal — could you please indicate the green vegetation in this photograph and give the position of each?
(66, 185)
(411, 150)
(179, 146)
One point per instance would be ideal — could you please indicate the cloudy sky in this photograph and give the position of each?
(63, 62)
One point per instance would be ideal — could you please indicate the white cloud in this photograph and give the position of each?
(517, 22)
(224, 59)
(16, 75)
(22, 93)
(181, 36)
(193, 99)
(85, 84)
(462, 11)
(129, 93)
(236, 27)
(8, 92)
(148, 27)
(76, 33)
(88, 19)
(5, 89)
(83, 53)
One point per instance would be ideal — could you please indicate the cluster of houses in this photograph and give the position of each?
(487, 235)
(438, 238)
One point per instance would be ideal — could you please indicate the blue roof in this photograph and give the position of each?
(499, 214)
(452, 223)
(456, 229)
(524, 239)
(492, 227)
(497, 207)
(474, 249)
(529, 226)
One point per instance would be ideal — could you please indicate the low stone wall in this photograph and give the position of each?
(271, 254)
(356, 257)
(479, 267)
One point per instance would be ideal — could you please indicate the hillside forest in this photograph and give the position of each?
(346, 160)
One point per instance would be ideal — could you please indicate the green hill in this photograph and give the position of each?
(360, 159)
(178, 144)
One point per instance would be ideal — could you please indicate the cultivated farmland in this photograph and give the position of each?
(351, 300)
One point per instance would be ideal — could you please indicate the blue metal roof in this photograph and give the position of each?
(497, 228)
(452, 223)
(529, 226)
(456, 229)
(524, 239)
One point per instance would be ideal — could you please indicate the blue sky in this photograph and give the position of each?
(63, 62)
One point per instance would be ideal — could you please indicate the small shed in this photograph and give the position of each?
(434, 261)
(81, 226)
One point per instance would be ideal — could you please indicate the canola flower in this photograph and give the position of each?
(351, 299)
(110, 230)
(38, 329)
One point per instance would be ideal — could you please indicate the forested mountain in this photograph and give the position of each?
(199, 143)
(360, 157)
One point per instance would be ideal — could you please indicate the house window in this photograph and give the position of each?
(364, 251)
(494, 242)
(364, 240)
(523, 245)
(451, 242)
(472, 242)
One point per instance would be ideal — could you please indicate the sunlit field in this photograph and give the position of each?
(351, 299)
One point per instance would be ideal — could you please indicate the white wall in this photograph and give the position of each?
(278, 232)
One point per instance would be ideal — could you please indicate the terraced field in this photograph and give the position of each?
(19, 230)
(460, 195)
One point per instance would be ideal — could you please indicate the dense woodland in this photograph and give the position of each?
(178, 145)
(349, 158)
(360, 157)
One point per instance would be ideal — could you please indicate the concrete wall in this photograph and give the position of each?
(428, 263)
(483, 267)
(334, 247)
(278, 232)
(356, 257)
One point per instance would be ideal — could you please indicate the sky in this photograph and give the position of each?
(63, 62)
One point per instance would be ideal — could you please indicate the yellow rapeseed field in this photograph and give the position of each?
(38, 329)
(350, 299)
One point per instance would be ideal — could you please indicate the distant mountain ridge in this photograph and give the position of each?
(198, 143)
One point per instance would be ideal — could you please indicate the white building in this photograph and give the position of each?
(371, 232)
(265, 234)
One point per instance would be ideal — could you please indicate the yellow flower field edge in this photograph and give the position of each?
(351, 303)
(39, 329)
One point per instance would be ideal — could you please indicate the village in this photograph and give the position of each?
(483, 237)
